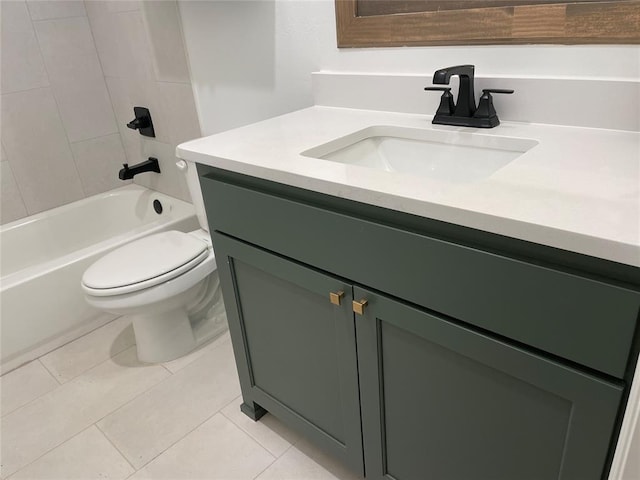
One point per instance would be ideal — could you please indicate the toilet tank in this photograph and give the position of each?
(193, 183)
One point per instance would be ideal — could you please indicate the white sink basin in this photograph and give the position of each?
(452, 156)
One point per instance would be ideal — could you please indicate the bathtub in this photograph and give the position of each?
(43, 257)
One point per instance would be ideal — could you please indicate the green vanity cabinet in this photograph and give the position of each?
(475, 356)
(295, 350)
(440, 401)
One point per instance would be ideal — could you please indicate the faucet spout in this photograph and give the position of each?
(466, 103)
(127, 173)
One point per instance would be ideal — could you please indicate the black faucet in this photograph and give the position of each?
(464, 113)
(127, 173)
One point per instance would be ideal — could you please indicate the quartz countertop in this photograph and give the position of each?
(578, 189)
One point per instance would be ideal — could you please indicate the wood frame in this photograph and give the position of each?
(571, 23)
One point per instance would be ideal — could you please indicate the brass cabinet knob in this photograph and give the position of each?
(358, 307)
(336, 297)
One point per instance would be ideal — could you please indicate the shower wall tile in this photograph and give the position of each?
(142, 54)
(122, 44)
(68, 37)
(171, 181)
(11, 204)
(165, 37)
(21, 64)
(37, 146)
(103, 7)
(179, 111)
(46, 9)
(76, 78)
(98, 161)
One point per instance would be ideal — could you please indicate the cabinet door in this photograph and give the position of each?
(440, 401)
(295, 350)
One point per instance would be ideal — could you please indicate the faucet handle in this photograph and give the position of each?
(485, 109)
(498, 90)
(446, 100)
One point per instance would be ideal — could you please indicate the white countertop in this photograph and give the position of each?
(578, 189)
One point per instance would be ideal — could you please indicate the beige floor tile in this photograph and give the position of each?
(88, 455)
(45, 423)
(23, 385)
(179, 363)
(328, 462)
(295, 465)
(151, 423)
(268, 431)
(72, 359)
(217, 450)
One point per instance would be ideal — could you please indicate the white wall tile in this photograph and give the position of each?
(179, 112)
(165, 38)
(40, 426)
(84, 353)
(76, 78)
(24, 385)
(36, 143)
(171, 180)
(70, 37)
(154, 421)
(11, 203)
(105, 7)
(21, 64)
(217, 450)
(98, 161)
(88, 455)
(122, 45)
(47, 9)
(82, 96)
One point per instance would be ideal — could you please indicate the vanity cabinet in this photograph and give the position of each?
(473, 357)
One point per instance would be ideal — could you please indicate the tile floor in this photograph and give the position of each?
(90, 410)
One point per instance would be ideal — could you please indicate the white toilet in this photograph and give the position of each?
(167, 283)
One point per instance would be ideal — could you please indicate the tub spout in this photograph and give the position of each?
(128, 172)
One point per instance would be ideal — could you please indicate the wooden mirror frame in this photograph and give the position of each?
(570, 23)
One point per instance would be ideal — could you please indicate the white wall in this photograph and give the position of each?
(251, 60)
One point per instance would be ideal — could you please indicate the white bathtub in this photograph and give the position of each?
(44, 256)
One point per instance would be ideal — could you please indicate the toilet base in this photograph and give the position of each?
(165, 336)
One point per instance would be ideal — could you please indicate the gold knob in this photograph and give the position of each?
(336, 297)
(358, 307)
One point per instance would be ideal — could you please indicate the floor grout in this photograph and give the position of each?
(116, 447)
(49, 371)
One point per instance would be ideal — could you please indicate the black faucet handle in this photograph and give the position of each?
(446, 106)
(485, 109)
(498, 90)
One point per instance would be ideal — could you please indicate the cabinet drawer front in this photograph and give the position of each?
(442, 401)
(583, 320)
(295, 350)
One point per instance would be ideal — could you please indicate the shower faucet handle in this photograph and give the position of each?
(142, 122)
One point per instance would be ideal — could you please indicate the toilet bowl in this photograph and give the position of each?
(167, 283)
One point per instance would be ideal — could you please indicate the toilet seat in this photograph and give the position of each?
(144, 263)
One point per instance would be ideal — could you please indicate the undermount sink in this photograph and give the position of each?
(452, 156)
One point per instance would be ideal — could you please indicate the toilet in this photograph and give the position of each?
(167, 283)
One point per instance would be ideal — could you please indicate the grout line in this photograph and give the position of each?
(97, 137)
(47, 452)
(33, 399)
(55, 100)
(274, 461)
(115, 446)
(44, 365)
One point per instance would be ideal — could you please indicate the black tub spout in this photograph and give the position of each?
(127, 173)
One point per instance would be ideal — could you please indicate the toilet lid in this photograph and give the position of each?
(158, 257)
